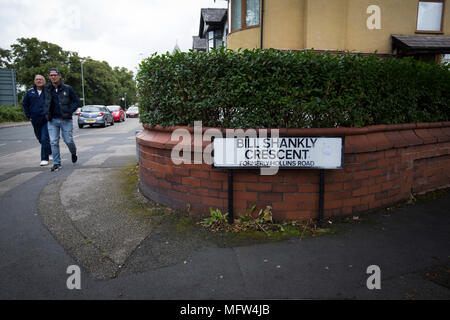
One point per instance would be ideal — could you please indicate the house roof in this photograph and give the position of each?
(421, 44)
(198, 43)
(211, 17)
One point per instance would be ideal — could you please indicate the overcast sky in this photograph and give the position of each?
(119, 32)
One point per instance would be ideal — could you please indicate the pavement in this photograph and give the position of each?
(4, 125)
(129, 247)
(116, 241)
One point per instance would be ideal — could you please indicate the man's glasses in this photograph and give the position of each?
(54, 75)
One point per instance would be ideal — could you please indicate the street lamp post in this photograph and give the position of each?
(82, 82)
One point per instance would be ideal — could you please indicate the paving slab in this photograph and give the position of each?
(90, 216)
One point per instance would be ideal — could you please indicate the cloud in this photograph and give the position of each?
(119, 32)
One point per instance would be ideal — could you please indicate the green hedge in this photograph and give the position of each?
(271, 88)
(12, 114)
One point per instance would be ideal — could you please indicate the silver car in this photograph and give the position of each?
(95, 115)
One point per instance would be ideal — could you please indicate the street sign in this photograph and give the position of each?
(8, 92)
(282, 152)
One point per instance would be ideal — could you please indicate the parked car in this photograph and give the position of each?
(95, 115)
(117, 113)
(77, 112)
(132, 112)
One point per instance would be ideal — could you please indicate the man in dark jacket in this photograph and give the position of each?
(59, 105)
(33, 105)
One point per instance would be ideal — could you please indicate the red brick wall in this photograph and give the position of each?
(382, 165)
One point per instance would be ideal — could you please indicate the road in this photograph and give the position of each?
(29, 254)
(78, 216)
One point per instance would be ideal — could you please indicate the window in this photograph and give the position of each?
(430, 15)
(244, 13)
(218, 38)
(215, 39)
(236, 14)
(225, 34)
(252, 15)
(211, 40)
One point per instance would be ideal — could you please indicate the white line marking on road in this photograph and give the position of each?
(97, 160)
(15, 181)
(113, 151)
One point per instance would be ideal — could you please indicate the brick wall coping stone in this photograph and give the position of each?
(364, 139)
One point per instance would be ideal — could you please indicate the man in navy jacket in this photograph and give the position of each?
(33, 105)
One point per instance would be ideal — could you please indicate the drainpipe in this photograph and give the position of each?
(261, 23)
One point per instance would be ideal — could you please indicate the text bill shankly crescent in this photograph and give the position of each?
(283, 152)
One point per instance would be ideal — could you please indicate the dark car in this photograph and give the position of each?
(117, 113)
(95, 115)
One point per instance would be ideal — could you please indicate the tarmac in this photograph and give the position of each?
(129, 247)
(4, 125)
(130, 235)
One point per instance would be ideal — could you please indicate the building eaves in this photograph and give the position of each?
(211, 18)
(421, 44)
(198, 43)
(213, 15)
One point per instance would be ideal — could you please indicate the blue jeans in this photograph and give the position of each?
(66, 128)
(41, 132)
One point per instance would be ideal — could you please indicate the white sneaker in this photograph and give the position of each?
(44, 163)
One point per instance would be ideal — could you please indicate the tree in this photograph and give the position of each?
(127, 85)
(103, 85)
(73, 76)
(5, 58)
(31, 57)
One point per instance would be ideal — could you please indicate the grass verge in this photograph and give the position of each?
(253, 226)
